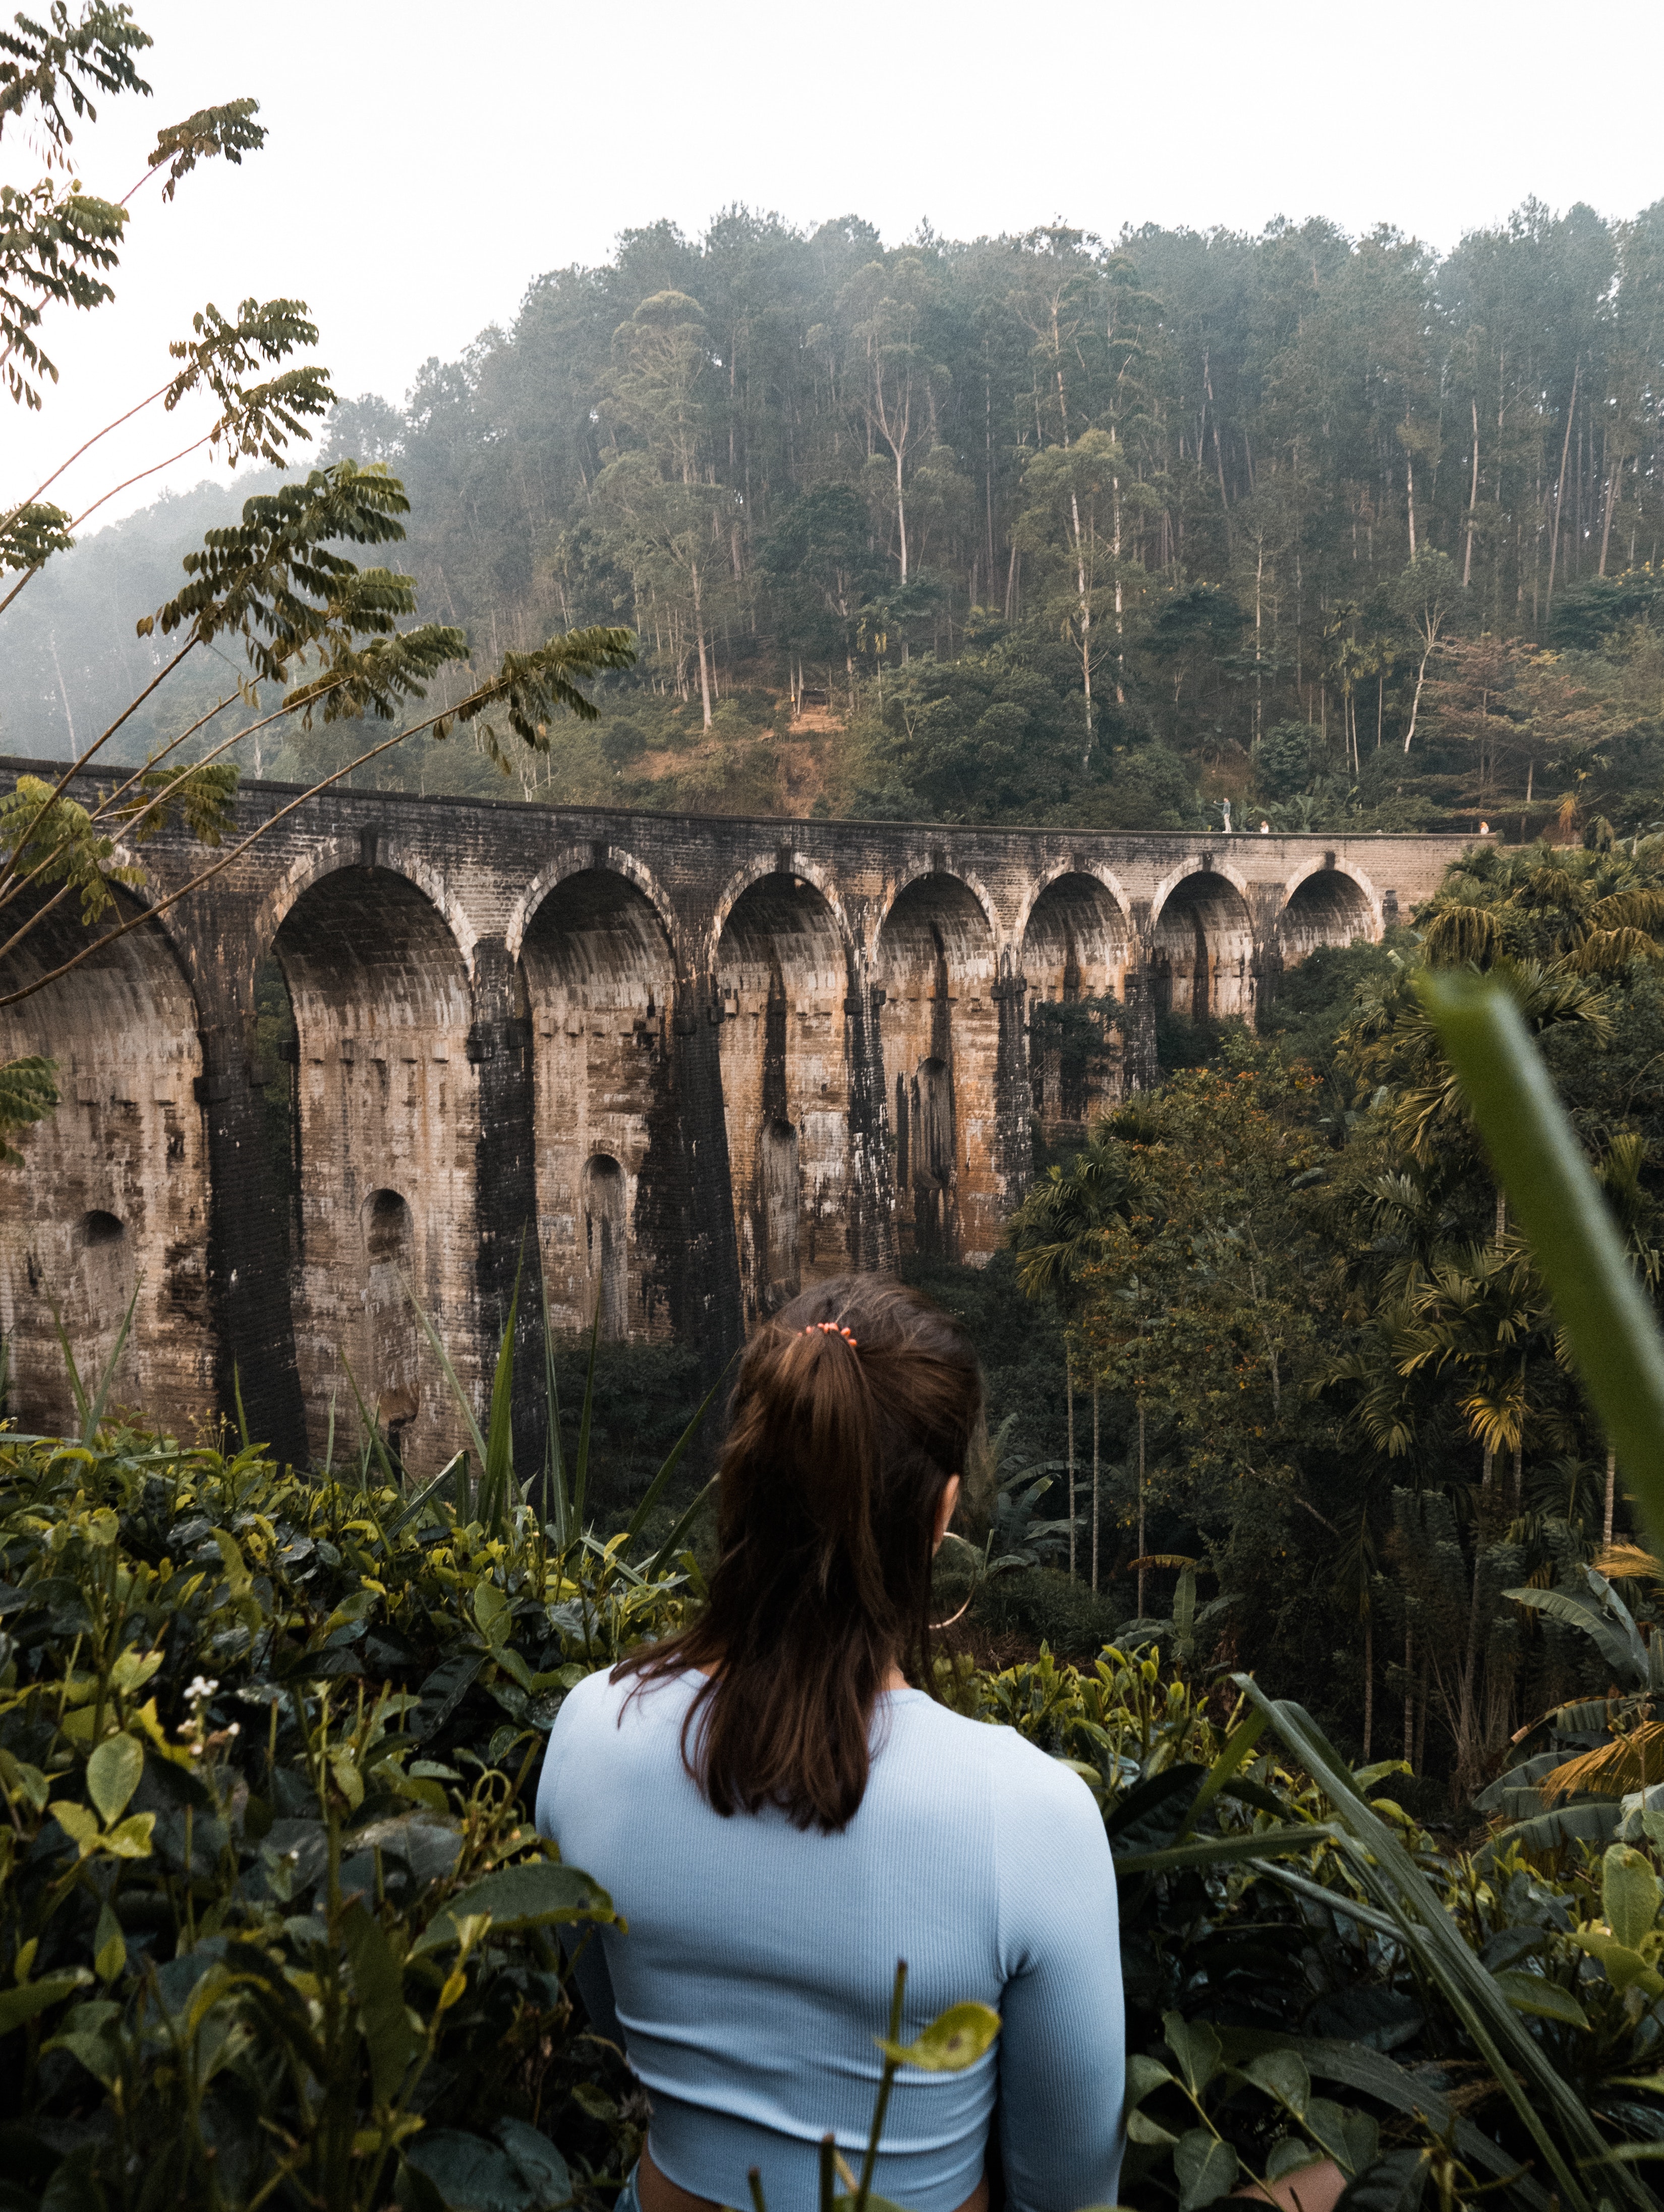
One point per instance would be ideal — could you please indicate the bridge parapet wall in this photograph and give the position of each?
(680, 1066)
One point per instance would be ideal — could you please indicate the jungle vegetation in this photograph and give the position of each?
(1049, 526)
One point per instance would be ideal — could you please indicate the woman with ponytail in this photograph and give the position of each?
(781, 1810)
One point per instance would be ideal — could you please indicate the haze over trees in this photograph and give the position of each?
(1088, 530)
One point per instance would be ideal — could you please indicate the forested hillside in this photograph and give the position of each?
(1044, 526)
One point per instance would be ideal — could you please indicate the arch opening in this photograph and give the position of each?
(1327, 908)
(384, 1101)
(1074, 960)
(781, 981)
(1204, 952)
(939, 1027)
(113, 1197)
(600, 987)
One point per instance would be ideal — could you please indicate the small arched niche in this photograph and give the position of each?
(600, 988)
(606, 1244)
(782, 978)
(1204, 952)
(1074, 960)
(939, 1028)
(1327, 908)
(782, 1211)
(391, 1383)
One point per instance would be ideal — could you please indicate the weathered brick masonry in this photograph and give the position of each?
(687, 1066)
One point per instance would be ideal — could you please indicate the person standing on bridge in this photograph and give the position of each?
(781, 1810)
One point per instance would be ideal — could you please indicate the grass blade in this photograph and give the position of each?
(1539, 1162)
(581, 1469)
(415, 1506)
(237, 1395)
(497, 1477)
(374, 1447)
(78, 1389)
(557, 1501)
(1383, 1867)
(673, 1543)
(95, 1410)
(450, 1374)
(1224, 1851)
(655, 1489)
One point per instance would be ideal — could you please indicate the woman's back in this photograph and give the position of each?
(759, 1958)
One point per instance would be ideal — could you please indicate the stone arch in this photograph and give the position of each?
(792, 866)
(113, 1197)
(583, 859)
(937, 962)
(782, 979)
(1105, 877)
(600, 979)
(372, 852)
(1329, 903)
(384, 1101)
(1203, 948)
(1075, 951)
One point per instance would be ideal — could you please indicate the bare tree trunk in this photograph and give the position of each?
(1095, 1486)
(1368, 1679)
(1085, 615)
(1141, 1539)
(699, 626)
(1611, 1488)
(1472, 496)
(1409, 1696)
(1613, 475)
(1069, 1400)
(1410, 497)
(1560, 490)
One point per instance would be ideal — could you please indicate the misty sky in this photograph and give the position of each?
(426, 162)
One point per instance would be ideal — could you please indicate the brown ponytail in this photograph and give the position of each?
(854, 1406)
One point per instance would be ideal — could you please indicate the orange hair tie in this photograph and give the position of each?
(833, 1328)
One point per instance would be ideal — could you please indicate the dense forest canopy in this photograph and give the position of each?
(1097, 532)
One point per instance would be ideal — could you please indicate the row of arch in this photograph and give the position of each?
(856, 1081)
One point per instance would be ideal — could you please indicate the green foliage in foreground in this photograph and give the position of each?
(274, 1929)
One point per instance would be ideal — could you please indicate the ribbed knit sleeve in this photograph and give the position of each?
(1063, 2043)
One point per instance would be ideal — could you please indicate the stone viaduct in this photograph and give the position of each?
(675, 1067)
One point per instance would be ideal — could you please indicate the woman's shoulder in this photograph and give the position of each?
(603, 1701)
(1002, 1757)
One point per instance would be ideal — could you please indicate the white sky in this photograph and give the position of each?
(426, 161)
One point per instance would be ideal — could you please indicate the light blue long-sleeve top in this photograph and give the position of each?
(759, 1960)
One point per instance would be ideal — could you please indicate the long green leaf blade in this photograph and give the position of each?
(1540, 1164)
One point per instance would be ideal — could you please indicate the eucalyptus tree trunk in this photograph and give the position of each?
(1611, 1488)
(1141, 1541)
(1069, 1400)
(1095, 1485)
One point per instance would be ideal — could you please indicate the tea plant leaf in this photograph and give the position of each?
(1206, 2168)
(1144, 2076)
(1196, 2047)
(954, 2040)
(35, 1997)
(1394, 2182)
(1629, 1894)
(530, 1896)
(1141, 2128)
(379, 1987)
(1282, 2074)
(113, 1775)
(1535, 1993)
